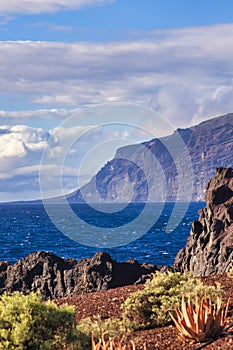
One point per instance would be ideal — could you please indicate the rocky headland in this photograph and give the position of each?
(135, 168)
(209, 247)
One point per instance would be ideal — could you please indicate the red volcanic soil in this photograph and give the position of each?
(107, 305)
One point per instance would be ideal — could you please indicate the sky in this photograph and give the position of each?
(68, 58)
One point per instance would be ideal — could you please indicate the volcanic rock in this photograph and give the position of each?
(209, 248)
(55, 277)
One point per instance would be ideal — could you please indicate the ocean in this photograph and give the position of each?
(26, 228)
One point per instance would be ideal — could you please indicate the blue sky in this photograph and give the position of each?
(113, 20)
(61, 57)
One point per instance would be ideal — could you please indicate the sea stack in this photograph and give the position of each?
(209, 247)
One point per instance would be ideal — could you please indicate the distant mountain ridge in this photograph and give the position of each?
(149, 171)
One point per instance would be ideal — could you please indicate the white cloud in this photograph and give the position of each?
(41, 6)
(21, 149)
(56, 113)
(175, 72)
(57, 100)
(26, 144)
(176, 101)
(19, 140)
(218, 102)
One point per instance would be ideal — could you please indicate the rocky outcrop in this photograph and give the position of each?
(55, 277)
(209, 248)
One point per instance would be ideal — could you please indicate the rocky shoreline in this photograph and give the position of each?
(208, 251)
(55, 277)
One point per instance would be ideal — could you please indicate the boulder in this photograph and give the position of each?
(209, 247)
(55, 277)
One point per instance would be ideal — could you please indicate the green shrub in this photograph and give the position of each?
(26, 322)
(150, 307)
(113, 327)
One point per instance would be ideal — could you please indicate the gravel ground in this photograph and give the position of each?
(107, 304)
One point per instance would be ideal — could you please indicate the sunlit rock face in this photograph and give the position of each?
(209, 248)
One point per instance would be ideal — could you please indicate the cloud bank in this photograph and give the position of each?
(184, 74)
(42, 6)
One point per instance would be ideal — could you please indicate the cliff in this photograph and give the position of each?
(209, 248)
(138, 167)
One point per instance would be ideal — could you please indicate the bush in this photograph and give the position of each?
(113, 327)
(26, 322)
(150, 307)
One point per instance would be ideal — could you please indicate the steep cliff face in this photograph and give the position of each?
(151, 165)
(209, 248)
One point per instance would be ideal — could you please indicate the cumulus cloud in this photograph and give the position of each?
(26, 144)
(21, 149)
(41, 6)
(21, 143)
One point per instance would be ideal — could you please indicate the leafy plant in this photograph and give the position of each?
(27, 322)
(202, 321)
(150, 307)
(112, 326)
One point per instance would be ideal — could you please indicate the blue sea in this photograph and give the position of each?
(26, 228)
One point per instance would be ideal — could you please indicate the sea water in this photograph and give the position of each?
(26, 228)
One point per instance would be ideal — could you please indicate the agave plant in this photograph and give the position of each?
(112, 344)
(202, 321)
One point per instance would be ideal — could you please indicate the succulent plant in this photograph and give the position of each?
(202, 320)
